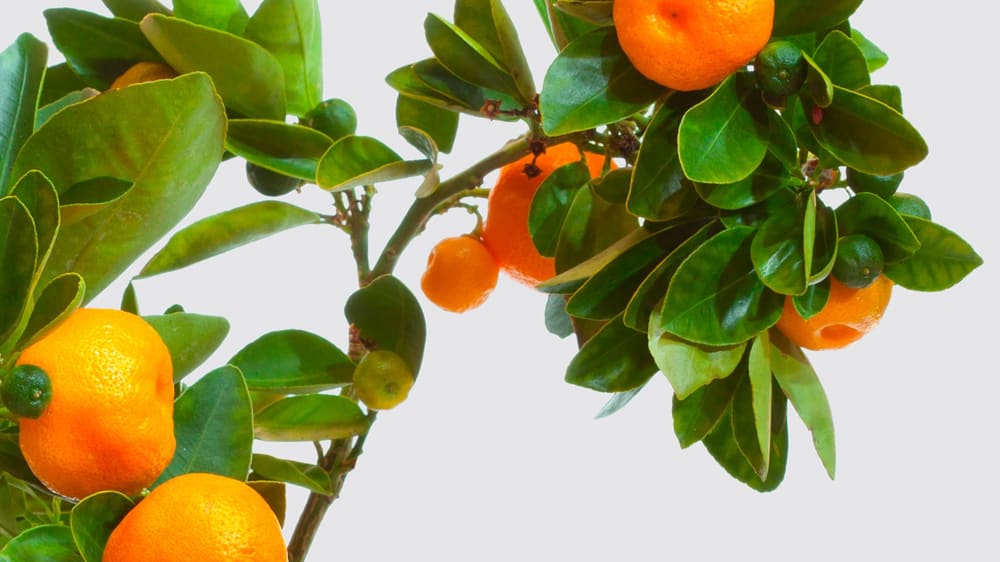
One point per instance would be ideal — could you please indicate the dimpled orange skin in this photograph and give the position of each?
(461, 273)
(848, 315)
(506, 229)
(692, 44)
(110, 423)
(198, 517)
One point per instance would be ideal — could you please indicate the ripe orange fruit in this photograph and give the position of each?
(144, 71)
(382, 379)
(506, 232)
(848, 315)
(109, 424)
(198, 517)
(461, 273)
(692, 44)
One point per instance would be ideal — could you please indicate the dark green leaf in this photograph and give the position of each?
(551, 204)
(214, 425)
(942, 260)
(818, 85)
(291, 30)
(432, 83)
(798, 381)
(659, 190)
(225, 231)
(135, 10)
(825, 233)
(40, 199)
(44, 543)
(724, 138)
(590, 83)
(87, 197)
(842, 61)
(439, 124)
(293, 362)
(487, 22)
(248, 77)
(782, 144)
(293, 150)
(715, 297)
(690, 366)
(59, 81)
(778, 251)
(172, 132)
(866, 134)
(809, 304)
(571, 279)
(562, 26)
(44, 113)
(613, 186)
(22, 66)
(18, 255)
(875, 58)
(722, 444)
(869, 214)
(308, 476)
(388, 316)
(57, 300)
(887, 94)
(615, 359)
(770, 177)
(792, 17)
(466, 58)
(357, 160)
(697, 415)
(557, 321)
(191, 338)
(93, 519)
(313, 417)
(224, 15)
(597, 12)
(98, 49)
(760, 383)
(591, 225)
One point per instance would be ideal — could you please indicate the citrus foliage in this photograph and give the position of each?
(706, 221)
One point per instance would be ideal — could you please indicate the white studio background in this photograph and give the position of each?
(494, 457)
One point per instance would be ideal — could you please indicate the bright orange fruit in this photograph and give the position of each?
(848, 315)
(461, 273)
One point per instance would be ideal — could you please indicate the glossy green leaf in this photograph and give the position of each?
(41, 201)
(809, 304)
(825, 233)
(843, 61)
(308, 476)
(798, 381)
(607, 293)
(792, 17)
(613, 186)
(488, 23)
(869, 214)
(744, 430)
(466, 58)
(312, 417)
(423, 142)
(715, 297)
(885, 93)
(135, 10)
(557, 321)
(818, 86)
(866, 134)
(388, 315)
(875, 58)
(191, 338)
(293, 150)
(214, 426)
(563, 27)
(723, 139)
(356, 160)
(92, 520)
(698, 414)
(56, 301)
(293, 362)
(22, 66)
(18, 255)
(225, 231)
(770, 177)
(224, 15)
(591, 225)
(615, 359)
(590, 83)
(760, 383)
(432, 83)
(249, 79)
(690, 366)
(97, 48)
(59, 81)
(551, 204)
(778, 251)
(172, 132)
(659, 190)
(942, 260)
(437, 123)
(571, 279)
(45, 112)
(12, 460)
(90, 196)
(291, 30)
(618, 401)
(782, 143)
(647, 297)
(44, 543)
(723, 445)
(597, 12)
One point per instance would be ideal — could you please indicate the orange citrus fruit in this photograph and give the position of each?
(198, 517)
(506, 232)
(848, 315)
(144, 71)
(692, 44)
(461, 273)
(109, 424)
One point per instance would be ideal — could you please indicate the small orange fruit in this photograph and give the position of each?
(198, 517)
(848, 315)
(692, 44)
(109, 424)
(461, 273)
(506, 232)
(144, 71)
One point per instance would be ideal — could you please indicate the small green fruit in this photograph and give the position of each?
(780, 69)
(911, 205)
(334, 118)
(859, 261)
(883, 186)
(26, 391)
(270, 183)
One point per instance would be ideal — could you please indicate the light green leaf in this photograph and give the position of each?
(291, 30)
(92, 520)
(191, 338)
(308, 476)
(313, 417)
(44, 543)
(355, 161)
(293, 362)
(22, 66)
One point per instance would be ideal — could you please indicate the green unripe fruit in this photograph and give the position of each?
(780, 68)
(883, 186)
(382, 380)
(859, 261)
(271, 183)
(26, 391)
(910, 205)
(334, 118)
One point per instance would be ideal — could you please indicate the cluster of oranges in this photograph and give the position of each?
(463, 270)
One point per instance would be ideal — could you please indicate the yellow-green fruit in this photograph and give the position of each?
(382, 380)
